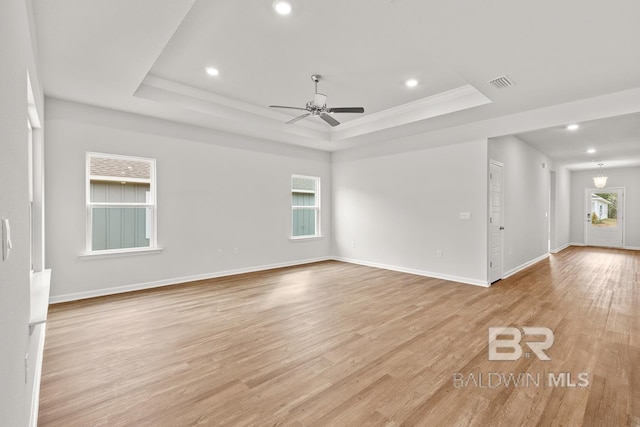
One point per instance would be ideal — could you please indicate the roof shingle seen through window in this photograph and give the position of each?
(120, 168)
(300, 183)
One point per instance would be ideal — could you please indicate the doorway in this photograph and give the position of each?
(496, 221)
(604, 224)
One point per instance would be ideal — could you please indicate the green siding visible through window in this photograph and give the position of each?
(303, 199)
(305, 206)
(119, 227)
(116, 192)
(304, 220)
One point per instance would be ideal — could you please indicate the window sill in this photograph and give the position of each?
(119, 253)
(305, 238)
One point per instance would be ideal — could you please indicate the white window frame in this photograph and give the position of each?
(317, 208)
(150, 204)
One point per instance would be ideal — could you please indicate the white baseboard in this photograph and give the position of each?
(175, 281)
(450, 278)
(525, 265)
(630, 248)
(561, 248)
(178, 280)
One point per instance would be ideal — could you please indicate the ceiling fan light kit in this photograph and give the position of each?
(318, 107)
(320, 100)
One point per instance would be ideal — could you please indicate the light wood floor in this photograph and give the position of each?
(334, 344)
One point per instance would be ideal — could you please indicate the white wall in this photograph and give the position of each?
(560, 235)
(399, 209)
(619, 177)
(526, 192)
(214, 190)
(16, 51)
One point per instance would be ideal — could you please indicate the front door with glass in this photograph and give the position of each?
(604, 217)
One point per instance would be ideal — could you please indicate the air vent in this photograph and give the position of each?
(501, 82)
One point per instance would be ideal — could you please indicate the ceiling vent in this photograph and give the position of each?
(501, 82)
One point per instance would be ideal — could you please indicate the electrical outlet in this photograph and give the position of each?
(353, 243)
(219, 252)
(439, 253)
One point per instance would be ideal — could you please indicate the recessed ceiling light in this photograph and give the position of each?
(591, 150)
(573, 127)
(212, 71)
(282, 7)
(411, 83)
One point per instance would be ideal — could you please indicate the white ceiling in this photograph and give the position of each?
(148, 57)
(616, 141)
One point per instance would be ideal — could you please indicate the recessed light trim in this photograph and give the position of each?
(212, 71)
(411, 83)
(591, 150)
(573, 126)
(282, 7)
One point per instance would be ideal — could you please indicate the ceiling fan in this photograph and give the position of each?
(318, 107)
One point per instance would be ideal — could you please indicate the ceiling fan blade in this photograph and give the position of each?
(300, 117)
(289, 108)
(327, 118)
(346, 110)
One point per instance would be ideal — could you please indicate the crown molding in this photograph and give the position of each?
(248, 117)
(220, 105)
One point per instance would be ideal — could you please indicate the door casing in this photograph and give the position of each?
(496, 225)
(587, 212)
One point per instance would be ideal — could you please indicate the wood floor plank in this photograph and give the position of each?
(336, 344)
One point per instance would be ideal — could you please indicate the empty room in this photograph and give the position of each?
(319, 213)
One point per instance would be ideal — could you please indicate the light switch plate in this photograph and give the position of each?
(6, 239)
(465, 216)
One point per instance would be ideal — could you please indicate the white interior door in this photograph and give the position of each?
(495, 221)
(604, 217)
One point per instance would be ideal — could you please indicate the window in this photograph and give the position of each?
(121, 203)
(305, 206)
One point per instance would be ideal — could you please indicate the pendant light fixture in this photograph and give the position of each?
(600, 181)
